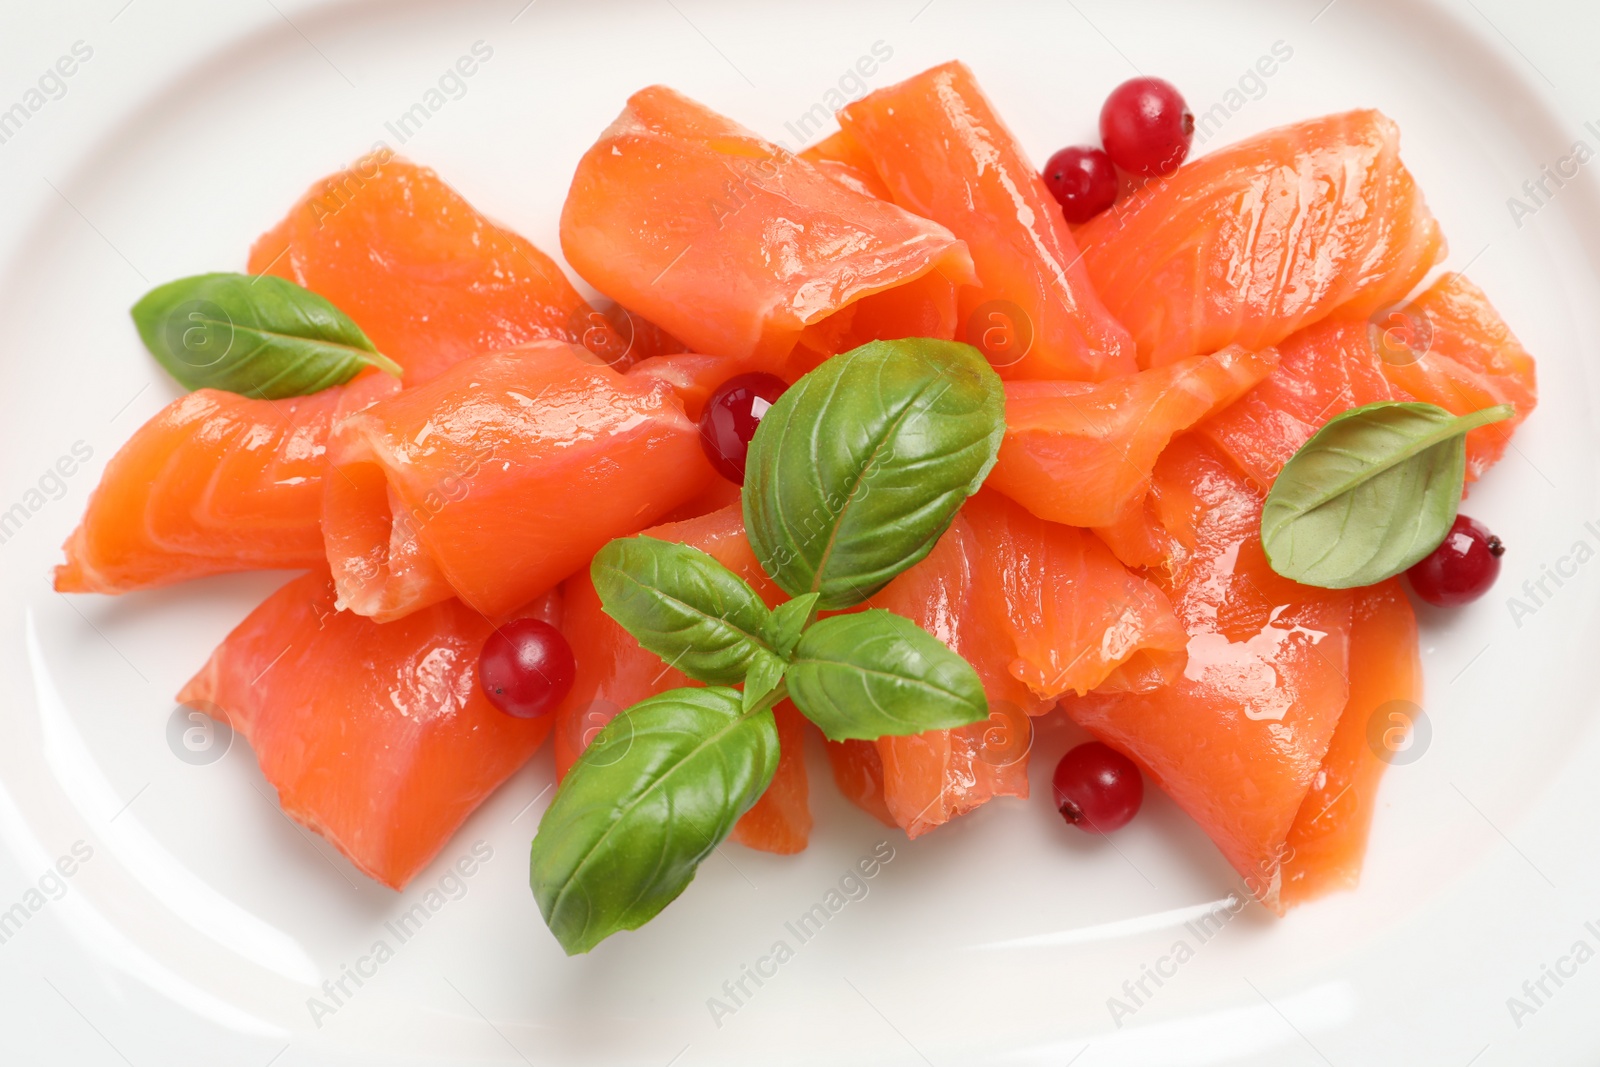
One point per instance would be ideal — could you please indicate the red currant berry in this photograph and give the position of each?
(526, 668)
(1462, 568)
(1146, 127)
(731, 417)
(1097, 789)
(1082, 180)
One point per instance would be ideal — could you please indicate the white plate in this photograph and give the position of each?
(202, 921)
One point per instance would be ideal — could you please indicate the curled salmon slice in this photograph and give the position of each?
(509, 471)
(1447, 347)
(1252, 242)
(729, 242)
(428, 278)
(1078, 619)
(215, 482)
(1237, 739)
(937, 143)
(375, 735)
(1328, 840)
(614, 673)
(929, 778)
(1082, 453)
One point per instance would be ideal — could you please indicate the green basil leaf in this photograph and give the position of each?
(786, 622)
(875, 673)
(859, 467)
(1372, 492)
(684, 606)
(260, 336)
(765, 675)
(624, 835)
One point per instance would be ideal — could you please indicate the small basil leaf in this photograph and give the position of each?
(765, 675)
(859, 467)
(260, 336)
(684, 606)
(624, 834)
(786, 622)
(1373, 491)
(876, 673)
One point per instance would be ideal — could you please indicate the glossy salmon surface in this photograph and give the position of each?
(937, 143)
(1254, 241)
(728, 241)
(215, 482)
(375, 735)
(1081, 453)
(428, 278)
(510, 471)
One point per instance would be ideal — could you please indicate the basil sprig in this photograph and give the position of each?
(261, 336)
(1370, 494)
(853, 475)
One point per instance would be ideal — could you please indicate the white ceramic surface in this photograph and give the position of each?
(202, 922)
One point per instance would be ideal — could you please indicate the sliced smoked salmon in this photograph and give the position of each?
(841, 158)
(375, 735)
(215, 482)
(1328, 840)
(728, 241)
(858, 772)
(943, 152)
(1078, 619)
(614, 673)
(1250, 243)
(929, 778)
(1449, 348)
(420, 270)
(511, 470)
(1081, 453)
(1238, 739)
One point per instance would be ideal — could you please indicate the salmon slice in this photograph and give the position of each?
(428, 278)
(858, 772)
(1464, 359)
(841, 158)
(381, 569)
(215, 482)
(728, 241)
(1239, 738)
(1252, 242)
(614, 673)
(374, 735)
(1081, 453)
(1038, 609)
(1328, 840)
(929, 778)
(1078, 619)
(937, 143)
(510, 470)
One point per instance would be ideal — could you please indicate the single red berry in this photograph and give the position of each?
(1146, 127)
(1462, 568)
(1097, 788)
(526, 668)
(731, 417)
(1083, 181)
